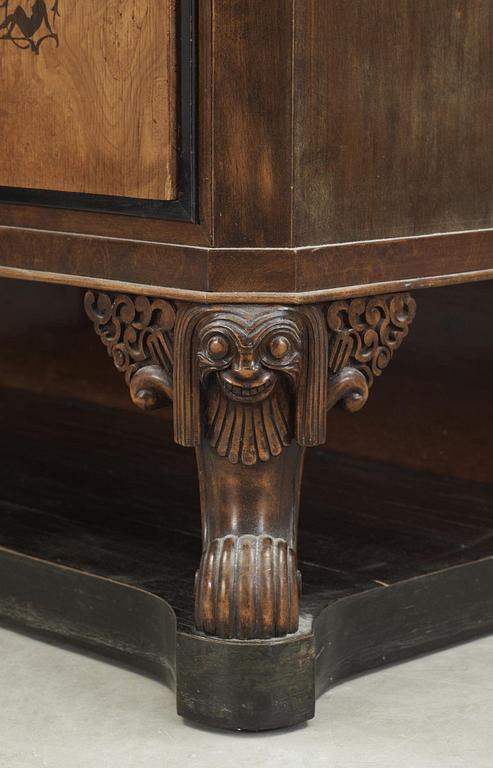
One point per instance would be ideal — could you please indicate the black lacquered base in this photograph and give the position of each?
(100, 541)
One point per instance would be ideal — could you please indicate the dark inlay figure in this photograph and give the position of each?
(20, 28)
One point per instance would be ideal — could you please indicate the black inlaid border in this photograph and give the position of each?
(184, 208)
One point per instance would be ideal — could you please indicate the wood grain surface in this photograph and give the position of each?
(393, 115)
(97, 113)
(252, 122)
(248, 275)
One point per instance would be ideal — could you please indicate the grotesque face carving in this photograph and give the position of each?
(249, 349)
(250, 379)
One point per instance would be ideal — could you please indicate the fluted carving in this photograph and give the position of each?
(247, 587)
(251, 387)
(250, 393)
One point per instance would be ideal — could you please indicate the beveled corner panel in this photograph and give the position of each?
(88, 97)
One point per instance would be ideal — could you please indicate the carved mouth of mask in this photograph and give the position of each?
(247, 393)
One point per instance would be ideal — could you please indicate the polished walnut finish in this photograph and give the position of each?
(137, 334)
(251, 386)
(260, 373)
(402, 131)
(309, 166)
(362, 164)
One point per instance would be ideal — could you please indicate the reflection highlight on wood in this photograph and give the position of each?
(247, 587)
(251, 386)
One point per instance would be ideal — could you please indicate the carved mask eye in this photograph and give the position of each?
(218, 347)
(279, 347)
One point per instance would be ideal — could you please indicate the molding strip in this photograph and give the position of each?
(210, 297)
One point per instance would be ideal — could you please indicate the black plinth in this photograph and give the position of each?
(100, 540)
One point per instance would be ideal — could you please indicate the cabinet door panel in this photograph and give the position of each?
(87, 97)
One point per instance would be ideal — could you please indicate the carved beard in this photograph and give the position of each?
(251, 432)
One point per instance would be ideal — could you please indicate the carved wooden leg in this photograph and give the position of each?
(249, 397)
(251, 386)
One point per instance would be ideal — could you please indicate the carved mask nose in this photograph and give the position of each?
(245, 366)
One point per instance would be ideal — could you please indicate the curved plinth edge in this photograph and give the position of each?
(389, 624)
(90, 611)
(255, 684)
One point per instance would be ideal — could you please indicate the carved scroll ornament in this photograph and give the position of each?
(137, 332)
(363, 337)
(251, 386)
(262, 375)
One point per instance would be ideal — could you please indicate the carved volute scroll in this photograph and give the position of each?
(137, 333)
(364, 335)
(251, 386)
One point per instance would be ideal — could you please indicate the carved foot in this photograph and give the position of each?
(247, 587)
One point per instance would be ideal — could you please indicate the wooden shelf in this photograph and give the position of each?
(400, 562)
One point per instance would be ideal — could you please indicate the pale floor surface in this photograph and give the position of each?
(65, 710)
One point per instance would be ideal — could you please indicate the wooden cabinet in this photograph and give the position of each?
(249, 192)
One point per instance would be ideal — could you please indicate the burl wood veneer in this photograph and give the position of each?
(248, 197)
